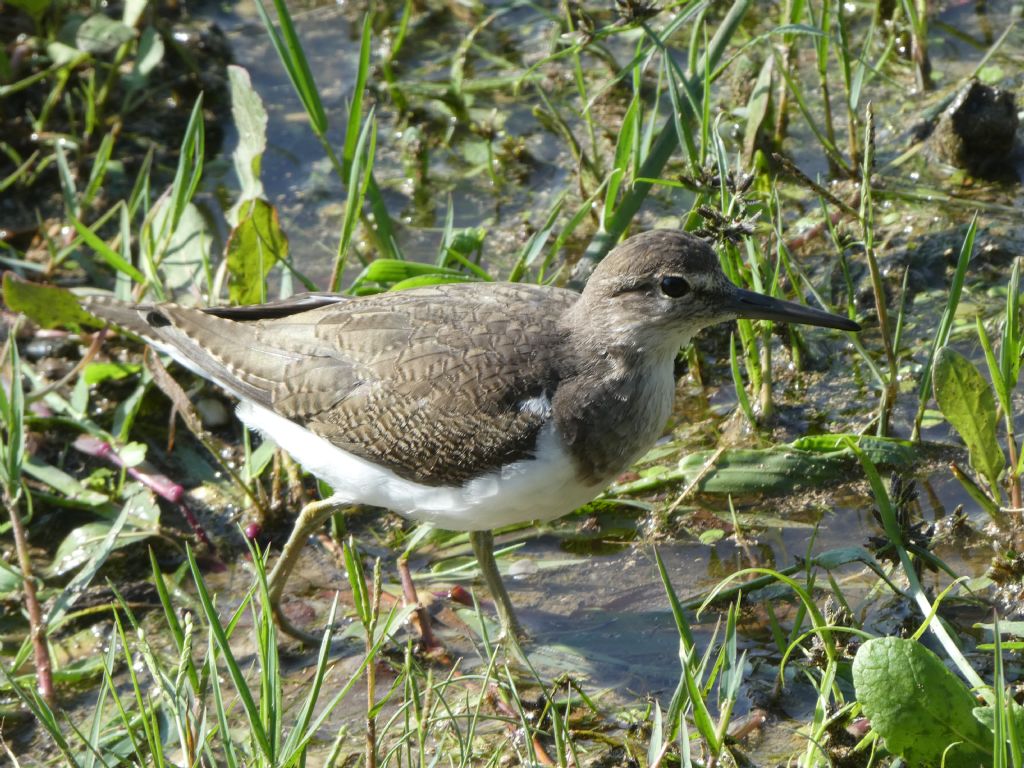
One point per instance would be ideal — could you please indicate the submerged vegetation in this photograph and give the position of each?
(827, 550)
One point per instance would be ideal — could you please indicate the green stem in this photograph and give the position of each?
(661, 152)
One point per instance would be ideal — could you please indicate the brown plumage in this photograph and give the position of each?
(500, 402)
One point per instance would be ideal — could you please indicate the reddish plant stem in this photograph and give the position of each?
(420, 618)
(36, 628)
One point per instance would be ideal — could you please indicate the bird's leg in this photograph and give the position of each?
(310, 518)
(483, 548)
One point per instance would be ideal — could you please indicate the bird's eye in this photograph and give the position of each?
(674, 286)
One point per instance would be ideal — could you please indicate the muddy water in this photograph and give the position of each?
(604, 613)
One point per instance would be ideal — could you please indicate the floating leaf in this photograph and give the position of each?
(711, 536)
(967, 402)
(918, 706)
(807, 462)
(881, 450)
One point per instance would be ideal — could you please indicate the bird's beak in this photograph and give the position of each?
(757, 306)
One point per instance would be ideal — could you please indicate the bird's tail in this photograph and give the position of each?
(130, 317)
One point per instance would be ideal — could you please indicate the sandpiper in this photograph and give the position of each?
(469, 406)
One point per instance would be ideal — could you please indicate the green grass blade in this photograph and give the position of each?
(44, 716)
(190, 164)
(12, 406)
(293, 58)
(661, 152)
(1010, 342)
(945, 324)
(737, 382)
(678, 612)
(356, 124)
(105, 252)
(360, 175)
(252, 711)
(300, 734)
(893, 532)
(230, 758)
(533, 247)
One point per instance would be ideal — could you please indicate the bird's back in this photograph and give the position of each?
(439, 384)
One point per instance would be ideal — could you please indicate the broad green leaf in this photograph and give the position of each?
(255, 246)
(94, 373)
(65, 55)
(881, 450)
(251, 122)
(138, 519)
(258, 461)
(63, 483)
(467, 241)
(34, 8)
(133, 10)
(151, 53)
(967, 402)
(182, 262)
(102, 34)
(132, 454)
(10, 580)
(783, 468)
(757, 108)
(918, 706)
(47, 305)
(986, 716)
(774, 470)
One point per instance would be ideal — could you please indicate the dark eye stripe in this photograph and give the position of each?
(674, 286)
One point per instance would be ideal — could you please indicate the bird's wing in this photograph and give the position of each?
(439, 384)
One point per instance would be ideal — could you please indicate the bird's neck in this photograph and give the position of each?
(613, 404)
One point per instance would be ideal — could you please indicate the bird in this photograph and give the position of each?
(469, 406)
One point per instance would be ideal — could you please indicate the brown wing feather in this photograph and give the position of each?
(429, 382)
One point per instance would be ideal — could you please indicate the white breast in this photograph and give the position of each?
(541, 488)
